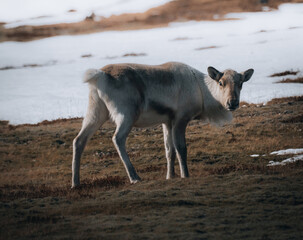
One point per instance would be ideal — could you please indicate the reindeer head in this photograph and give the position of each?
(229, 86)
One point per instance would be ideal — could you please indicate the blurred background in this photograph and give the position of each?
(45, 46)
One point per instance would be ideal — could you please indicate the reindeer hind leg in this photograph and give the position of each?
(124, 126)
(96, 115)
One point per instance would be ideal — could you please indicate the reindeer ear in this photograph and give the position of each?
(214, 73)
(247, 75)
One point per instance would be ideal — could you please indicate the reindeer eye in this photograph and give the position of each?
(220, 83)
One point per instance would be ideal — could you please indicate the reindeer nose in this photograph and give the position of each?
(232, 104)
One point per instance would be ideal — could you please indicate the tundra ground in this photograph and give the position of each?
(229, 195)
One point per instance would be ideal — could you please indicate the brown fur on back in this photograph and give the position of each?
(160, 74)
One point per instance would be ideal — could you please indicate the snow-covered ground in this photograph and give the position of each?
(291, 151)
(293, 159)
(288, 151)
(269, 42)
(286, 161)
(37, 12)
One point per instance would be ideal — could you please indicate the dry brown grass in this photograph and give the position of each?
(285, 73)
(288, 80)
(10, 192)
(286, 99)
(295, 119)
(229, 193)
(180, 10)
(45, 122)
(204, 48)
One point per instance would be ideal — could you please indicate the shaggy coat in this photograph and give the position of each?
(171, 94)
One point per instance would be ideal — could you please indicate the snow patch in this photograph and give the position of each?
(37, 12)
(288, 151)
(31, 95)
(286, 161)
(294, 151)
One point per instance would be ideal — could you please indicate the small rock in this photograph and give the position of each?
(60, 142)
(86, 55)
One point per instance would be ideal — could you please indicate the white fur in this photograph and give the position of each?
(90, 74)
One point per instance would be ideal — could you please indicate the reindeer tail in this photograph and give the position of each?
(91, 75)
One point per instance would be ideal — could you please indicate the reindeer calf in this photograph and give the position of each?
(171, 94)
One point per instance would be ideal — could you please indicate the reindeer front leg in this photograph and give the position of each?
(178, 131)
(169, 150)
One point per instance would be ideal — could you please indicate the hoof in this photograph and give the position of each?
(170, 177)
(73, 187)
(135, 180)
